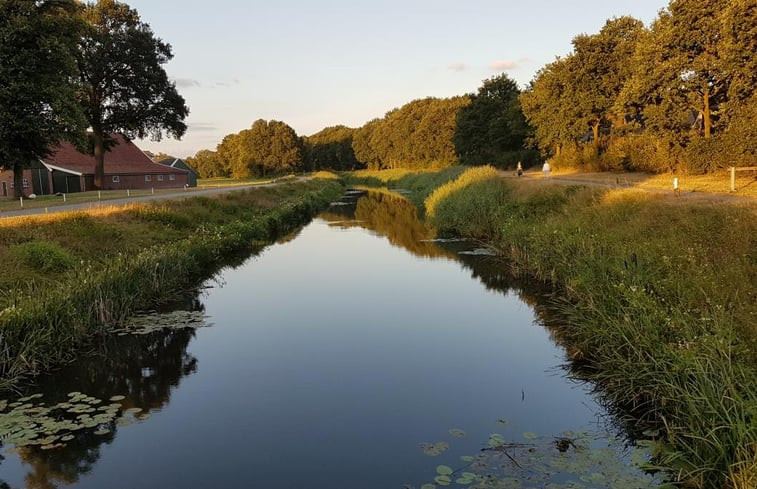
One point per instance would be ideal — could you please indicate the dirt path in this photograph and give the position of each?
(178, 195)
(624, 181)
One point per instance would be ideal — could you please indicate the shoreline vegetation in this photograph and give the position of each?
(72, 277)
(656, 300)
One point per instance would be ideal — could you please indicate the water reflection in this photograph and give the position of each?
(145, 369)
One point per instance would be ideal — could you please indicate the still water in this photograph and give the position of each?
(323, 362)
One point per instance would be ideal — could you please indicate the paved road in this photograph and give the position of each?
(576, 180)
(178, 195)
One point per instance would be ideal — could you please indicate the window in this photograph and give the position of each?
(148, 178)
(172, 177)
(160, 178)
(26, 183)
(116, 179)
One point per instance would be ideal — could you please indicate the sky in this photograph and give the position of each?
(319, 64)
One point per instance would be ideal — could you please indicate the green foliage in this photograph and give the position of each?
(492, 126)
(122, 84)
(208, 164)
(268, 147)
(331, 148)
(37, 99)
(44, 256)
(467, 178)
(417, 135)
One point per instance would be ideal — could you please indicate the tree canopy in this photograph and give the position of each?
(492, 125)
(123, 86)
(266, 147)
(331, 148)
(38, 108)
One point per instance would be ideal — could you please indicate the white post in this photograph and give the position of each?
(733, 179)
(22, 202)
(128, 193)
(46, 211)
(64, 198)
(153, 190)
(99, 195)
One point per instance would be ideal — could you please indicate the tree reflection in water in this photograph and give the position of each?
(143, 368)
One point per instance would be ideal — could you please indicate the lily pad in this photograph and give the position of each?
(117, 398)
(457, 433)
(443, 480)
(444, 470)
(528, 435)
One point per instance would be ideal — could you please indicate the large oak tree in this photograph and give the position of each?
(37, 69)
(124, 87)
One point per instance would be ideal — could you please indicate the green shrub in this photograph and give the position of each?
(44, 256)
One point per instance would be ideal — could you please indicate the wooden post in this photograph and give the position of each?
(64, 198)
(99, 195)
(22, 202)
(733, 179)
(128, 193)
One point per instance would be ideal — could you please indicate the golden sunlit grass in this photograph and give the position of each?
(96, 212)
(387, 175)
(325, 175)
(42, 201)
(474, 174)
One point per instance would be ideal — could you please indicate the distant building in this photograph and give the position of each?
(67, 170)
(181, 164)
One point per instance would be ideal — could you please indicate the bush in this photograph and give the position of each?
(44, 256)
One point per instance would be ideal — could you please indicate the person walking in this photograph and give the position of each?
(546, 169)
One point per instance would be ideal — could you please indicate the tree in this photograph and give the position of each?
(331, 148)
(680, 71)
(549, 106)
(208, 164)
(124, 87)
(492, 124)
(37, 69)
(263, 148)
(603, 66)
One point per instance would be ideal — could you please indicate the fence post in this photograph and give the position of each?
(22, 202)
(64, 198)
(733, 179)
(99, 195)
(128, 192)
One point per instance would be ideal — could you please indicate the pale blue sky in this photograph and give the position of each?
(318, 64)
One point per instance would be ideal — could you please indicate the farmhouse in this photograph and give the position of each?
(67, 170)
(181, 164)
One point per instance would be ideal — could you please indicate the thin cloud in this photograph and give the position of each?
(187, 83)
(457, 67)
(503, 65)
(202, 127)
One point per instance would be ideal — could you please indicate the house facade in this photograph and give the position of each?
(67, 170)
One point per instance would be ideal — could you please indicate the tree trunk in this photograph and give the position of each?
(98, 140)
(706, 114)
(595, 131)
(18, 181)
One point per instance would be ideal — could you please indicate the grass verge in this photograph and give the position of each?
(73, 276)
(657, 308)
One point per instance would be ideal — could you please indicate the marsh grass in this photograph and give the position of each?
(657, 306)
(78, 275)
(465, 179)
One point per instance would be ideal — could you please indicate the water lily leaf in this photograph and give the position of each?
(503, 421)
(457, 433)
(143, 416)
(74, 394)
(67, 438)
(117, 398)
(467, 458)
(444, 470)
(443, 480)
(463, 481)
(133, 410)
(528, 435)
(102, 432)
(428, 486)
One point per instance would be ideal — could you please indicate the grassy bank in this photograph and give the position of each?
(658, 307)
(71, 277)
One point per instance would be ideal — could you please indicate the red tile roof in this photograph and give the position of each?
(124, 158)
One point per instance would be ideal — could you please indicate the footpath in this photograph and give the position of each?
(634, 181)
(178, 195)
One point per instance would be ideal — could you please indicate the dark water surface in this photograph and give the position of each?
(330, 358)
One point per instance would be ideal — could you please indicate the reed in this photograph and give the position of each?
(657, 307)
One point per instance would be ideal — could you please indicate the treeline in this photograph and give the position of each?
(679, 95)
(486, 127)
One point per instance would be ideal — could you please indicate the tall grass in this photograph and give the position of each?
(657, 307)
(150, 255)
(470, 176)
